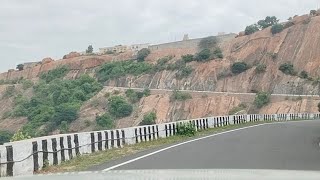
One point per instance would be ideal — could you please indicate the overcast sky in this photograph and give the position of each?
(33, 29)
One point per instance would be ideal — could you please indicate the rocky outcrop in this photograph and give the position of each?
(71, 55)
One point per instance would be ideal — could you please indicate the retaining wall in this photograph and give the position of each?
(28, 156)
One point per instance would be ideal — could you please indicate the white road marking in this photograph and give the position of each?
(173, 146)
(205, 137)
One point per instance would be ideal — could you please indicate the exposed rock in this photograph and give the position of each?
(47, 60)
(71, 55)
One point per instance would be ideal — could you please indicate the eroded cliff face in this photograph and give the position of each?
(298, 44)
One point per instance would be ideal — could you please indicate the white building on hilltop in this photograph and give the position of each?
(123, 48)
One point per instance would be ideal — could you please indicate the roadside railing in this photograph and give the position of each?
(31, 155)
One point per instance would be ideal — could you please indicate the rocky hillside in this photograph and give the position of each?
(298, 44)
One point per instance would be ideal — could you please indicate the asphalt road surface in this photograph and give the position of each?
(285, 146)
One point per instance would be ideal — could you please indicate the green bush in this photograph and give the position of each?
(184, 72)
(187, 58)
(287, 68)
(277, 28)
(5, 137)
(236, 109)
(176, 66)
(119, 69)
(142, 54)
(54, 102)
(133, 95)
(262, 99)
(26, 84)
(19, 135)
(57, 73)
(239, 67)
(146, 92)
(186, 129)
(149, 119)
(261, 68)
(180, 96)
(251, 29)
(217, 53)
(119, 107)
(304, 75)
(203, 55)
(161, 64)
(64, 127)
(105, 121)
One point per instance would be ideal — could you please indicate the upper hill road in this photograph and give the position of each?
(285, 146)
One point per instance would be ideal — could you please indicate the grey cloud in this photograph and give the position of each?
(34, 29)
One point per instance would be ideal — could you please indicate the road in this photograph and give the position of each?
(215, 92)
(285, 146)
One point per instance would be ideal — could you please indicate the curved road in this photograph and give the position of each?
(286, 146)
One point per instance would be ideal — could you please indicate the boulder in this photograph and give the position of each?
(71, 55)
(318, 12)
(47, 60)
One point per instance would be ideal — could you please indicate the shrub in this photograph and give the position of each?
(9, 92)
(261, 68)
(287, 68)
(208, 42)
(184, 72)
(118, 69)
(26, 84)
(176, 66)
(5, 137)
(161, 64)
(19, 135)
(277, 28)
(262, 99)
(239, 67)
(149, 119)
(105, 121)
(142, 54)
(186, 129)
(251, 29)
(146, 92)
(6, 115)
(313, 12)
(20, 67)
(119, 107)
(180, 96)
(57, 73)
(217, 53)
(304, 75)
(134, 96)
(187, 58)
(203, 55)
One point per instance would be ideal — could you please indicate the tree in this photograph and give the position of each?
(251, 29)
(149, 119)
(313, 12)
(262, 99)
(119, 107)
(89, 50)
(271, 20)
(105, 121)
(142, 54)
(20, 67)
(208, 42)
(19, 135)
(239, 67)
(187, 58)
(276, 28)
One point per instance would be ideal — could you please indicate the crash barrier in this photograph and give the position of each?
(29, 156)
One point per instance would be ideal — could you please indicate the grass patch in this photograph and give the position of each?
(83, 162)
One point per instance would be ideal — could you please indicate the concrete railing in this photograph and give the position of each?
(28, 156)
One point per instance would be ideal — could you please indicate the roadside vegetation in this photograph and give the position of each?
(261, 99)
